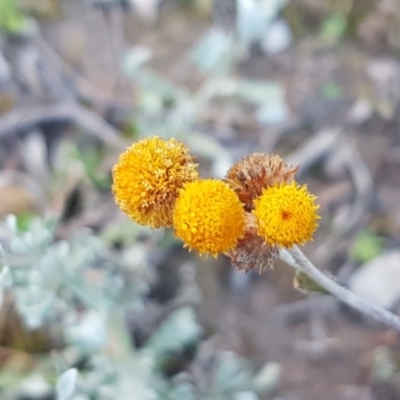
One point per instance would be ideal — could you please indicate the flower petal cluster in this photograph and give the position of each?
(147, 179)
(256, 210)
(286, 214)
(209, 217)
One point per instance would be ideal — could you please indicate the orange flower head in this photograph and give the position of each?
(147, 179)
(286, 214)
(208, 217)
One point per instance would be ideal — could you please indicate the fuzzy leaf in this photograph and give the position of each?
(215, 52)
(177, 331)
(66, 384)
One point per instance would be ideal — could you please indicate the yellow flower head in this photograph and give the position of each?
(286, 214)
(147, 179)
(209, 217)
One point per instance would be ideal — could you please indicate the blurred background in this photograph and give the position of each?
(94, 307)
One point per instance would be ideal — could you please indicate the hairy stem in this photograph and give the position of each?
(296, 258)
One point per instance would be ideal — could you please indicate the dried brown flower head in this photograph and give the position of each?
(252, 252)
(249, 176)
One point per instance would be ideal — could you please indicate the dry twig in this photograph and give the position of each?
(85, 119)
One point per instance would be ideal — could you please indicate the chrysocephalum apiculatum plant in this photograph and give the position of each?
(254, 212)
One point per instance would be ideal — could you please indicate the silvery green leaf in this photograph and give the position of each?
(63, 248)
(260, 93)
(180, 391)
(36, 164)
(130, 386)
(151, 101)
(277, 38)
(251, 24)
(5, 71)
(146, 9)
(271, 8)
(384, 364)
(11, 222)
(81, 396)
(267, 379)
(149, 81)
(5, 277)
(136, 378)
(272, 114)
(136, 257)
(221, 164)
(66, 384)
(245, 395)
(215, 53)
(39, 235)
(135, 58)
(178, 330)
(34, 303)
(232, 374)
(89, 334)
(48, 264)
(19, 246)
(35, 386)
(209, 147)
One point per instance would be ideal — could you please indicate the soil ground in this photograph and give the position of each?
(325, 350)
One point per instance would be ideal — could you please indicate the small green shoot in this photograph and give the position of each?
(366, 247)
